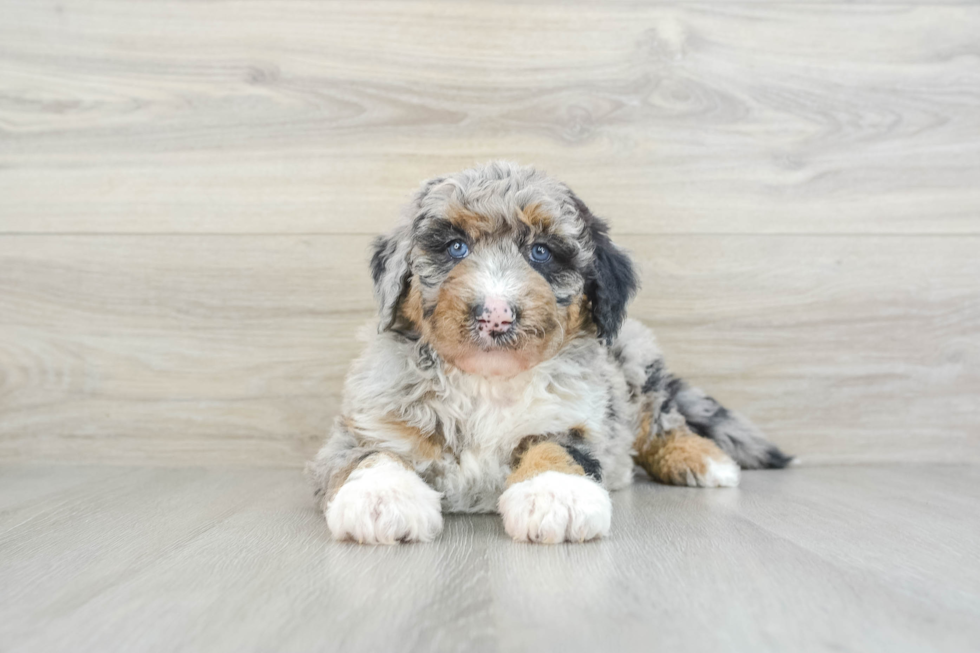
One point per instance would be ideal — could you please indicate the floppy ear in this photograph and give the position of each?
(390, 271)
(610, 280)
(390, 261)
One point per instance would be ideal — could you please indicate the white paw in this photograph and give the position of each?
(717, 473)
(554, 507)
(385, 504)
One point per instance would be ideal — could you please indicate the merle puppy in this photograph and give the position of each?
(504, 375)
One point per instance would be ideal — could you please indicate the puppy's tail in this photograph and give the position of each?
(734, 434)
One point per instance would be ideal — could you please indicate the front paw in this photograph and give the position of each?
(385, 504)
(554, 507)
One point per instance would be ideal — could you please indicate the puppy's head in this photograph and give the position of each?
(498, 267)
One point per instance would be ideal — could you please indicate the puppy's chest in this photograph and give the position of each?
(488, 416)
(486, 423)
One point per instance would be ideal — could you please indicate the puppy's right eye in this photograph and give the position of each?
(458, 249)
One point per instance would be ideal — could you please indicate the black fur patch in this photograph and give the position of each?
(440, 272)
(656, 377)
(610, 281)
(591, 466)
(407, 335)
(383, 249)
(559, 276)
(611, 413)
(776, 459)
(562, 251)
(434, 235)
(674, 385)
(426, 356)
(559, 271)
(713, 421)
(702, 425)
(670, 389)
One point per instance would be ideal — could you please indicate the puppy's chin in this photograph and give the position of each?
(500, 363)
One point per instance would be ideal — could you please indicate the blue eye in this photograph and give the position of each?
(458, 249)
(540, 253)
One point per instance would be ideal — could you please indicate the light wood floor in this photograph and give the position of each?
(812, 559)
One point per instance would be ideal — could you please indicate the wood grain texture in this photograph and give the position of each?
(321, 117)
(817, 559)
(187, 190)
(232, 349)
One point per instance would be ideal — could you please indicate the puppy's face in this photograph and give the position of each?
(495, 295)
(497, 268)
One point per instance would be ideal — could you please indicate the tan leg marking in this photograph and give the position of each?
(337, 480)
(384, 432)
(671, 458)
(340, 477)
(426, 446)
(543, 457)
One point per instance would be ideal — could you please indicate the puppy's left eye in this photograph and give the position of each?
(458, 249)
(540, 253)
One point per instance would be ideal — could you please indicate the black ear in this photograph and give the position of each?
(610, 280)
(391, 266)
(391, 272)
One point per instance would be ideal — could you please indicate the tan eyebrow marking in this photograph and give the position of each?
(535, 216)
(473, 223)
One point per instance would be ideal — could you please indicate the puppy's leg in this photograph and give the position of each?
(550, 499)
(672, 411)
(680, 457)
(695, 441)
(381, 500)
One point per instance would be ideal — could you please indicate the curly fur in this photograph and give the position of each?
(461, 410)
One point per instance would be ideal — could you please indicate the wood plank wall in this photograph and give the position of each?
(188, 189)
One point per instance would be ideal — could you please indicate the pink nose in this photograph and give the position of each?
(496, 316)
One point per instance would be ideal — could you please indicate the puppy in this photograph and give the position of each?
(505, 377)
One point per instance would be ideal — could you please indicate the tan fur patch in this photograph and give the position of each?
(539, 314)
(536, 217)
(672, 457)
(543, 457)
(376, 458)
(449, 326)
(544, 326)
(340, 477)
(577, 320)
(646, 423)
(475, 224)
(410, 309)
(426, 446)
